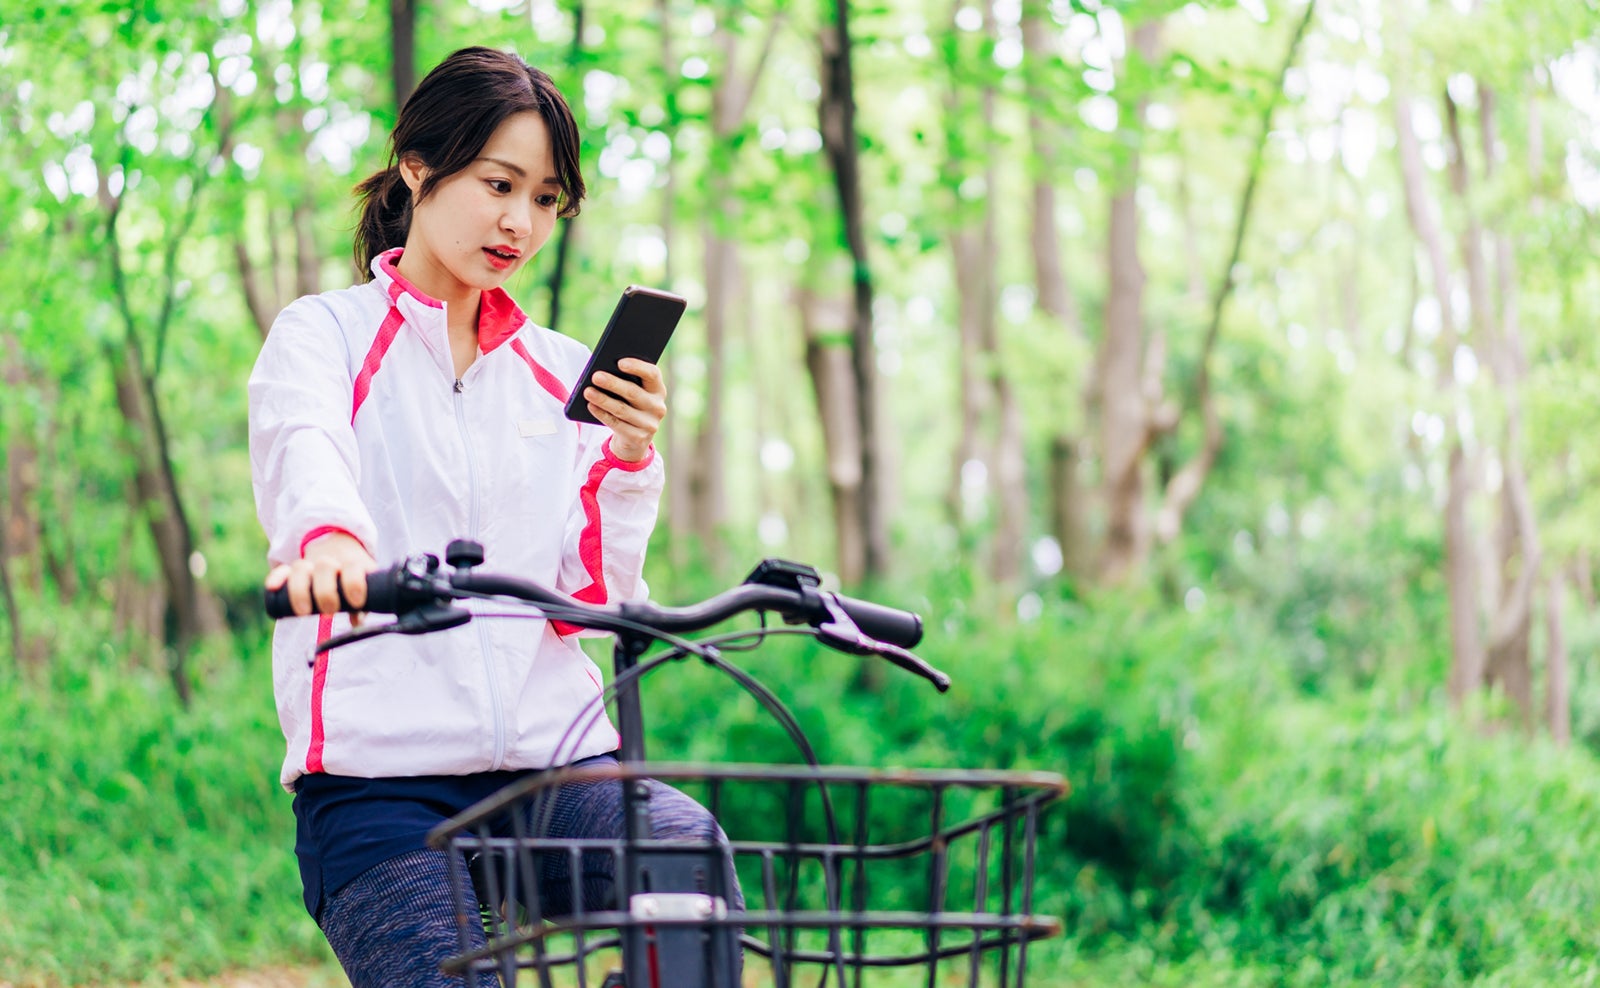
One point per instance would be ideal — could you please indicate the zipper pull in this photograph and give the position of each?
(458, 388)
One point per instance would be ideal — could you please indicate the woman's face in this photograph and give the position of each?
(480, 225)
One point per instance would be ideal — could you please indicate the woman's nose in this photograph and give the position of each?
(515, 221)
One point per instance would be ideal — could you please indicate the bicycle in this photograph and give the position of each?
(676, 916)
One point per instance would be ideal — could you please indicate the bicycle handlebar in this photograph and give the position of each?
(418, 591)
(387, 595)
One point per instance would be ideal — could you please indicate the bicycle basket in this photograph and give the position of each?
(843, 872)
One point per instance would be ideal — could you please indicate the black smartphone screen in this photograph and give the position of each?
(640, 326)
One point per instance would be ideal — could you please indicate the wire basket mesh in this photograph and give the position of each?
(842, 874)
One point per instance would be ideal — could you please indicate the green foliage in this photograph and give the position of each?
(143, 841)
(1222, 828)
(1399, 848)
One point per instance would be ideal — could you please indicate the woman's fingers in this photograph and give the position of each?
(650, 391)
(325, 586)
(354, 581)
(299, 584)
(332, 563)
(632, 411)
(649, 374)
(644, 415)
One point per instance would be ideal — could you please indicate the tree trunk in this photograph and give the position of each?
(1125, 372)
(1011, 481)
(1466, 641)
(558, 271)
(836, 117)
(1478, 314)
(1508, 661)
(19, 517)
(730, 99)
(8, 598)
(679, 509)
(966, 252)
(55, 529)
(1069, 508)
(280, 228)
(307, 262)
(263, 297)
(302, 213)
(1558, 689)
(1511, 624)
(1006, 457)
(193, 611)
(708, 487)
(833, 385)
(708, 480)
(568, 232)
(19, 523)
(262, 301)
(263, 309)
(1044, 237)
(403, 49)
(140, 605)
(1583, 578)
(1196, 279)
(1124, 425)
(1069, 494)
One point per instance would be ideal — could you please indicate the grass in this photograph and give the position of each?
(142, 842)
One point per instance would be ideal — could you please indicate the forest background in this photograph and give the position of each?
(1219, 378)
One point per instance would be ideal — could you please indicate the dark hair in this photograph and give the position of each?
(445, 124)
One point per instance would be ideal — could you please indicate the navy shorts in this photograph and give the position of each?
(346, 825)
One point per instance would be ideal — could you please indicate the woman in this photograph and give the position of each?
(417, 407)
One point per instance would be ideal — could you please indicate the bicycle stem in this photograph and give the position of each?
(630, 729)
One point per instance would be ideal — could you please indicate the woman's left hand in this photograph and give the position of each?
(635, 415)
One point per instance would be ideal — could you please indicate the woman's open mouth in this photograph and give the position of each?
(502, 257)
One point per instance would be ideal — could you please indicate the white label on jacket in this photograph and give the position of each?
(536, 427)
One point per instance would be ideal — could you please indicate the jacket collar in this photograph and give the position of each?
(499, 316)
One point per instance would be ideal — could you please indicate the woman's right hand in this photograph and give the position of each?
(331, 562)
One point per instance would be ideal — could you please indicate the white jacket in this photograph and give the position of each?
(357, 423)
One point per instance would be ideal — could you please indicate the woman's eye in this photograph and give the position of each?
(548, 200)
(500, 185)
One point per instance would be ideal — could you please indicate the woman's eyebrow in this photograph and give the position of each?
(507, 165)
(518, 169)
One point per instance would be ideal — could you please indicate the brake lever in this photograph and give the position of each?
(433, 617)
(840, 632)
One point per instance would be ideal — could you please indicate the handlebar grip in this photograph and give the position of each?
(885, 624)
(383, 590)
(380, 596)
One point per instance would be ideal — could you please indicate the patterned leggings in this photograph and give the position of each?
(395, 923)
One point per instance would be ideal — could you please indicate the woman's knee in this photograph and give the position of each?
(397, 922)
(676, 816)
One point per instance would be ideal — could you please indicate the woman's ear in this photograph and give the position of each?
(412, 172)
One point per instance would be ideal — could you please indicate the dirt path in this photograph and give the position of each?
(284, 977)
(289, 977)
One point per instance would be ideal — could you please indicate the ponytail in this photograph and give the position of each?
(385, 217)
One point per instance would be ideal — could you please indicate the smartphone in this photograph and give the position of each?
(640, 326)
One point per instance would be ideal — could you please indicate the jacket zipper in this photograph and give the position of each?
(472, 528)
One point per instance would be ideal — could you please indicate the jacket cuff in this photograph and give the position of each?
(320, 531)
(621, 464)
